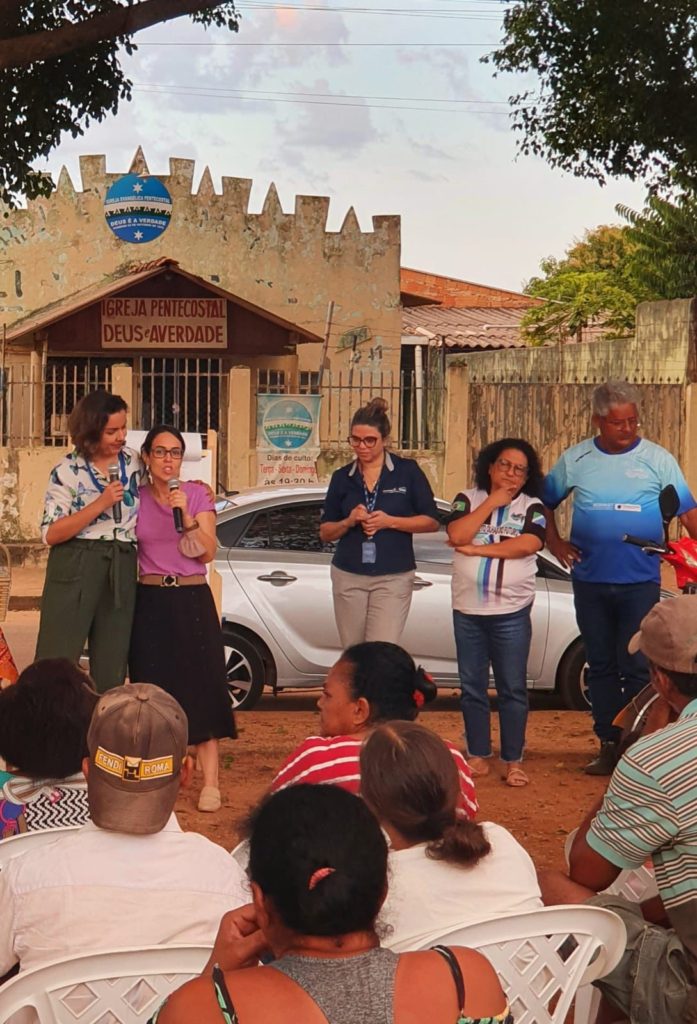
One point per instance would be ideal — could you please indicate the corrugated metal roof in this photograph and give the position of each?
(478, 327)
(126, 278)
(468, 327)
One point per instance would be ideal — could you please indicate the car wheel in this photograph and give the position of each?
(571, 678)
(244, 670)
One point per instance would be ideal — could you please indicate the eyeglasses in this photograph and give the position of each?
(161, 453)
(515, 469)
(630, 422)
(367, 442)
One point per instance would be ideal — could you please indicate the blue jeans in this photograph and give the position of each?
(608, 615)
(504, 642)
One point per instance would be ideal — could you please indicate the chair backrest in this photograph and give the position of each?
(16, 845)
(635, 884)
(543, 956)
(122, 987)
(241, 854)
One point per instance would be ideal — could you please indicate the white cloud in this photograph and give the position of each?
(343, 129)
(469, 208)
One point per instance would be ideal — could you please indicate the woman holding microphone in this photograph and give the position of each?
(177, 642)
(372, 508)
(89, 524)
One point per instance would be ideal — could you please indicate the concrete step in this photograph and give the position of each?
(26, 588)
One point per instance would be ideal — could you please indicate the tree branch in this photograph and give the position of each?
(122, 21)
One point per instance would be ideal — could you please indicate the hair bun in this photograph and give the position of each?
(424, 684)
(376, 405)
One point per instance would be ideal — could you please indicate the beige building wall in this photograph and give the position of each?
(287, 263)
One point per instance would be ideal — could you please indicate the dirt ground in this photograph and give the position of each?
(540, 815)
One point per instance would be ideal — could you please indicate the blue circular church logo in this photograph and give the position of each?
(138, 208)
(287, 424)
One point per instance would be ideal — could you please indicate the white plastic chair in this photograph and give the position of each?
(635, 884)
(16, 845)
(122, 987)
(241, 854)
(543, 956)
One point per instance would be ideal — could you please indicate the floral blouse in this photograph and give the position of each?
(75, 483)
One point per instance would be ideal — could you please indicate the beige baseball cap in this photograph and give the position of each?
(137, 742)
(668, 634)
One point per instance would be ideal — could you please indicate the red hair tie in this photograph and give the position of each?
(418, 698)
(318, 875)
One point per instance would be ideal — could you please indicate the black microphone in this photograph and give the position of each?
(176, 512)
(115, 475)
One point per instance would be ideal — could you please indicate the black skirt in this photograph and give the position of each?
(177, 644)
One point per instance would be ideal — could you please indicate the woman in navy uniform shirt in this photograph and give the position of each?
(372, 508)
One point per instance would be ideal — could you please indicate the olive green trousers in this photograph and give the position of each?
(89, 597)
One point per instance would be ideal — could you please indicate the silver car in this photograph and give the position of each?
(278, 617)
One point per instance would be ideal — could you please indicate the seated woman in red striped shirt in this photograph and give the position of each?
(371, 683)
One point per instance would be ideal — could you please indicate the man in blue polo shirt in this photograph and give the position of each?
(615, 478)
(649, 812)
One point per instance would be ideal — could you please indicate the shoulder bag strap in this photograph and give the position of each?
(454, 966)
(225, 1003)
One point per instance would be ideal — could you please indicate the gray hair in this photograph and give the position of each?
(615, 392)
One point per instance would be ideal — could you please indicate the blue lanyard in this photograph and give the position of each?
(95, 480)
(371, 497)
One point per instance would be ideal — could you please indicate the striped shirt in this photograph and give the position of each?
(335, 760)
(650, 810)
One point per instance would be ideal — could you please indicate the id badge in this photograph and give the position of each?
(369, 552)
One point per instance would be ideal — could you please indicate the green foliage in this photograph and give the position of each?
(42, 100)
(594, 284)
(663, 241)
(617, 90)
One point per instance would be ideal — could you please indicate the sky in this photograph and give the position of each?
(383, 105)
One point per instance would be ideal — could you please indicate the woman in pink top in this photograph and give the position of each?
(176, 641)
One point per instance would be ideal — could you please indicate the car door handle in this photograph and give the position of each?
(419, 584)
(278, 578)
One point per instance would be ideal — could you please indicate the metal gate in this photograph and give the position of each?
(36, 401)
(186, 392)
(190, 393)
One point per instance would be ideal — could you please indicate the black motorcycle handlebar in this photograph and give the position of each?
(651, 547)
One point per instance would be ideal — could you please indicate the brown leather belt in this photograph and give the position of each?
(151, 580)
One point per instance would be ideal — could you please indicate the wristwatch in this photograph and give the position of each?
(194, 526)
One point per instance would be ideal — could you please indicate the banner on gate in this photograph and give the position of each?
(287, 439)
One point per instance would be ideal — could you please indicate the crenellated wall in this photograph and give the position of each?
(287, 263)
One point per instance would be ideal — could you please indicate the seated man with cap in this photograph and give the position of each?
(130, 877)
(649, 811)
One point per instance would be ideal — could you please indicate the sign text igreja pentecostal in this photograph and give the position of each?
(164, 323)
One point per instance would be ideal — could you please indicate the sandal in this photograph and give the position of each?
(515, 776)
(478, 767)
(209, 800)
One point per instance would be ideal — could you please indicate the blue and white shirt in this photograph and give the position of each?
(75, 483)
(614, 494)
(495, 586)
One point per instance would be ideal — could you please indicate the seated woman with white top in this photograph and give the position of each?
(445, 871)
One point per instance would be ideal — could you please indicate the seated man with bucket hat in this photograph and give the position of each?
(649, 811)
(130, 877)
